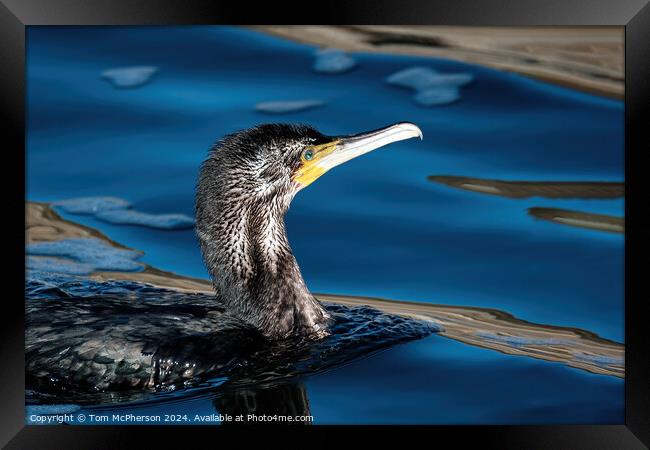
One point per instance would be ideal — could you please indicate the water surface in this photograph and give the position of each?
(373, 227)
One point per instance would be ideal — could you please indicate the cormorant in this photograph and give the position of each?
(245, 188)
(86, 338)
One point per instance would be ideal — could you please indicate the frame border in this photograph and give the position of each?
(15, 15)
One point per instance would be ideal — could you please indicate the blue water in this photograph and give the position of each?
(374, 226)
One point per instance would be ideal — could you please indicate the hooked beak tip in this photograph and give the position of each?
(411, 127)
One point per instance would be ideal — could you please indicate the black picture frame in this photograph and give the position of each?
(634, 15)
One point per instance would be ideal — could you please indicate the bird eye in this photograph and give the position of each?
(308, 154)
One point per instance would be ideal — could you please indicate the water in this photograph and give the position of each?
(374, 226)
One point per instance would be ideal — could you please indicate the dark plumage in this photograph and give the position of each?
(245, 188)
(95, 342)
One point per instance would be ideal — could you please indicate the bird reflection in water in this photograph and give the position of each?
(282, 403)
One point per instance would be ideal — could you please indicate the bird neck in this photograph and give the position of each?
(256, 274)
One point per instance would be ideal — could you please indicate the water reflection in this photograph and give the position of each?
(580, 219)
(254, 403)
(592, 190)
(98, 338)
(92, 342)
(525, 189)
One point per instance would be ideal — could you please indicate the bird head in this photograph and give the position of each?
(273, 162)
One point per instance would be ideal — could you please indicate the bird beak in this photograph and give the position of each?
(344, 148)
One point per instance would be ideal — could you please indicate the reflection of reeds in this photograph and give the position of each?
(549, 189)
(589, 59)
(482, 327)
(580, 219)
(524, 189)
(498, 330)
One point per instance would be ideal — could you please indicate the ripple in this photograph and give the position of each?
(431, 87)
(48, 264)
(518, 341)
(289, 106)
(118, 211)
(160, 221)
(91, 205)
(526, 189)
(88, 255)
(333, 60)
(129, 77)
(580, 219)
